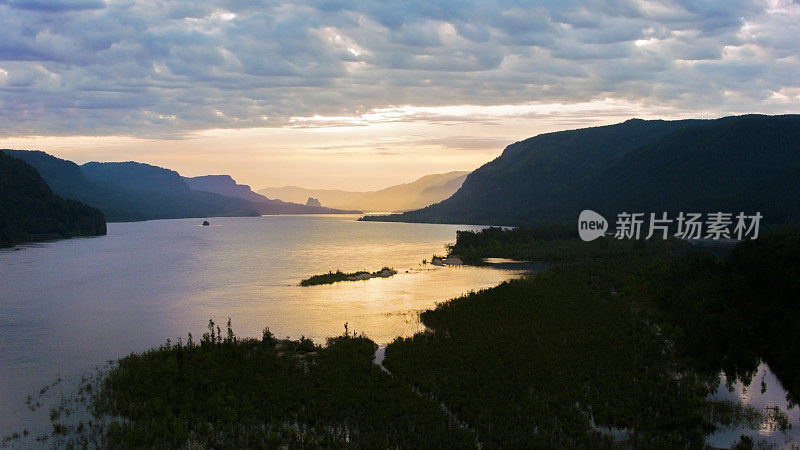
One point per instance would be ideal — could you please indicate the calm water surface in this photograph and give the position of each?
(70, 305)
(762, 392)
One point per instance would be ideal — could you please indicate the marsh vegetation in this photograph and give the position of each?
(227, 392)
(568, 358)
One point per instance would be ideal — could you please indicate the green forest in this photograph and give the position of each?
(29, 210)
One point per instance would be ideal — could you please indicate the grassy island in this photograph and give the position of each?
(334, 277)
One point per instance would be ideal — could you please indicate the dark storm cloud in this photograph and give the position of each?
(164, 68)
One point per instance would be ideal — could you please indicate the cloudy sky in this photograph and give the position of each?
(362, 94)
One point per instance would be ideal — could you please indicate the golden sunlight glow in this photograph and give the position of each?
(371, 150)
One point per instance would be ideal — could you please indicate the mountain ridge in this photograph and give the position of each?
(551, 177)
(223, 185)
(132, 191)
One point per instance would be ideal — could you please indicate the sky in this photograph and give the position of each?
(358, 95)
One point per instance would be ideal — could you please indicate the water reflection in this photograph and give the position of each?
(762, 391)
(66, 306)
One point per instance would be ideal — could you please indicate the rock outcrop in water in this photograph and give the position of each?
(451, 261)
(385, 273)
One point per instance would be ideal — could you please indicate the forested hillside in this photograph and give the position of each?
(130, 191)
(29, 210)
(744, 163)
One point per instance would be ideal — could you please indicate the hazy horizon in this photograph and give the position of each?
(84, 149)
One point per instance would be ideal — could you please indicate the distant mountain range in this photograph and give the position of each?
(402, 197)
(744, 163)
(29, 210)
(130, 191)
(224, 185)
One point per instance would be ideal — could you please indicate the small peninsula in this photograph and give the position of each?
(334, 277)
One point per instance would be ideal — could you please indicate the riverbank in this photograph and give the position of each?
(551, 243)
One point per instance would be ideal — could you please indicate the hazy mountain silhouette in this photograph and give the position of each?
(227, 186)
(417, 194)
(128, 191)
(223, 185)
